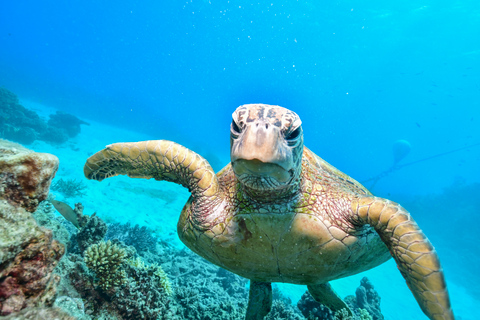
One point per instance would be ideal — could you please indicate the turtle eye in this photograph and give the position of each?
(294, 134)
(235, 128)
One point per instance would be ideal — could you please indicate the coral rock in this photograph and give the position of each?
(28, 254)
(40, 313)
(25, 176)
(369, 299)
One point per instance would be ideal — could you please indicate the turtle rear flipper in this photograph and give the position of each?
(158, 159)
(416, 258)
(324, 294)
(259, 300)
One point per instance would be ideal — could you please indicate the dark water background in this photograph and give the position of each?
(360, 75)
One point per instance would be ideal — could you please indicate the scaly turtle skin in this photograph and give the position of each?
(279, 213)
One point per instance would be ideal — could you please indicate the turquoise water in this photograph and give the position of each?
(361, 76)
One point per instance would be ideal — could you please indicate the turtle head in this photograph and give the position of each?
(266, 146)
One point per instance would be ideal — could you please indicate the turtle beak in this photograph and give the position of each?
(261, 150)
(261, 169)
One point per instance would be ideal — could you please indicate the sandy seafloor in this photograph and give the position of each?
(158, 204)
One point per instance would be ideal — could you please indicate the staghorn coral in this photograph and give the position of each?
(92, 232)
(25, 176)
(139, 237)
(106, 260)
(91, 229)
(69, 187)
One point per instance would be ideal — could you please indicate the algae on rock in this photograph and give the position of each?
(28, 254)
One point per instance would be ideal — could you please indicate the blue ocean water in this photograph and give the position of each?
(360, 75)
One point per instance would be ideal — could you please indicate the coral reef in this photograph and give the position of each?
(66, 122)
(144, 296)
(93, 230)
(107, 261)
(25, 176)
(365, 305)
(75, 216)
(40, 313)
(18, 123)
(366, 298)
(45, 217)
(199, 293)
(78, 282)
(22, 125)
(283, 310)
(69, 187)
(311, 309)
(73, 306)
(156, 273)
(28, 254)
(139, 237)
(196, 290)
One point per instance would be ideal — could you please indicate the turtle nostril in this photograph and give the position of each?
(266, 126)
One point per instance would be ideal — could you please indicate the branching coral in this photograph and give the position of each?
(93, 231)
(139, 237)
(156, 271)
(69, 187)
(146, 294)
(107, 261)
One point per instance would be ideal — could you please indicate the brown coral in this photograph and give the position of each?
(28, 254)
(25, 176)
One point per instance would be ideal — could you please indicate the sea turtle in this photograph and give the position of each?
(280, 213)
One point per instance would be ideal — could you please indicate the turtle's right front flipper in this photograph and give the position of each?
(158, 159)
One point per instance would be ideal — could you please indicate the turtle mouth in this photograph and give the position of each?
(261, 175)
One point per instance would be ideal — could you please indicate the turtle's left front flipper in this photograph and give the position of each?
(158, 159)
(416, 258)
